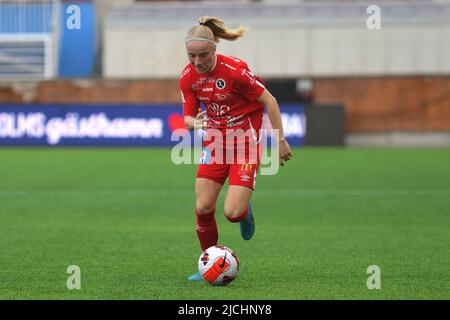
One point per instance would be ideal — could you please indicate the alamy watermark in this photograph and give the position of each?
(374, 280)
(373, 22)
(73, 21)
(232, 146)
(74, 280)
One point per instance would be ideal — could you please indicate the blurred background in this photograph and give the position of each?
(355, 73)
(368, 80)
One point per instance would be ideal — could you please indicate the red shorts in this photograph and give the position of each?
(246, 156)
(239, 174)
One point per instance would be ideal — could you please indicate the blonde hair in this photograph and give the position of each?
(212, 29)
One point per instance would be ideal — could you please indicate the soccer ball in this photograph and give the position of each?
(218, 265)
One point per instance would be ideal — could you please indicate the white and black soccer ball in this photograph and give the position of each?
(218, 265)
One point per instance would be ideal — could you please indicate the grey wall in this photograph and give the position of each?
(147, 41)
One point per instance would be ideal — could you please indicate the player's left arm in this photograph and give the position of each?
(273, 111)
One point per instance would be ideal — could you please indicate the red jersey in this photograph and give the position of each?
(229, 92)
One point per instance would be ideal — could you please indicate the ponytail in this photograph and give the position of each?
(212, 29)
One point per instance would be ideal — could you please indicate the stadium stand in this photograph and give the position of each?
(27, 39)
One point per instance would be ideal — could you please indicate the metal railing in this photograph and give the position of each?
(27, 39)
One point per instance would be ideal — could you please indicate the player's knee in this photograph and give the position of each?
(234, 214)
(205, 208)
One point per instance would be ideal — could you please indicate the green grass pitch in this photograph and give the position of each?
(126, 218)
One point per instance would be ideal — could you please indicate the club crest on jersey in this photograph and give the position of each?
(220, 84)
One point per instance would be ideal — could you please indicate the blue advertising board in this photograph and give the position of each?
(110, 125)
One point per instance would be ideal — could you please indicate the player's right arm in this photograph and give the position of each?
(193, 117)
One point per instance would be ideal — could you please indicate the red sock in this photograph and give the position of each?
(207, 229)
(239, 218)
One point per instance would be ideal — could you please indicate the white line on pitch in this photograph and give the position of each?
(279, 192)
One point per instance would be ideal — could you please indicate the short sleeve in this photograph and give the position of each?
(246, 84)
(190, 101)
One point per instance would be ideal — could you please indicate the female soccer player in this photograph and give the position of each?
(234, 99)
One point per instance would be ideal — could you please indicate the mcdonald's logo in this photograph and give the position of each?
(246, 167)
